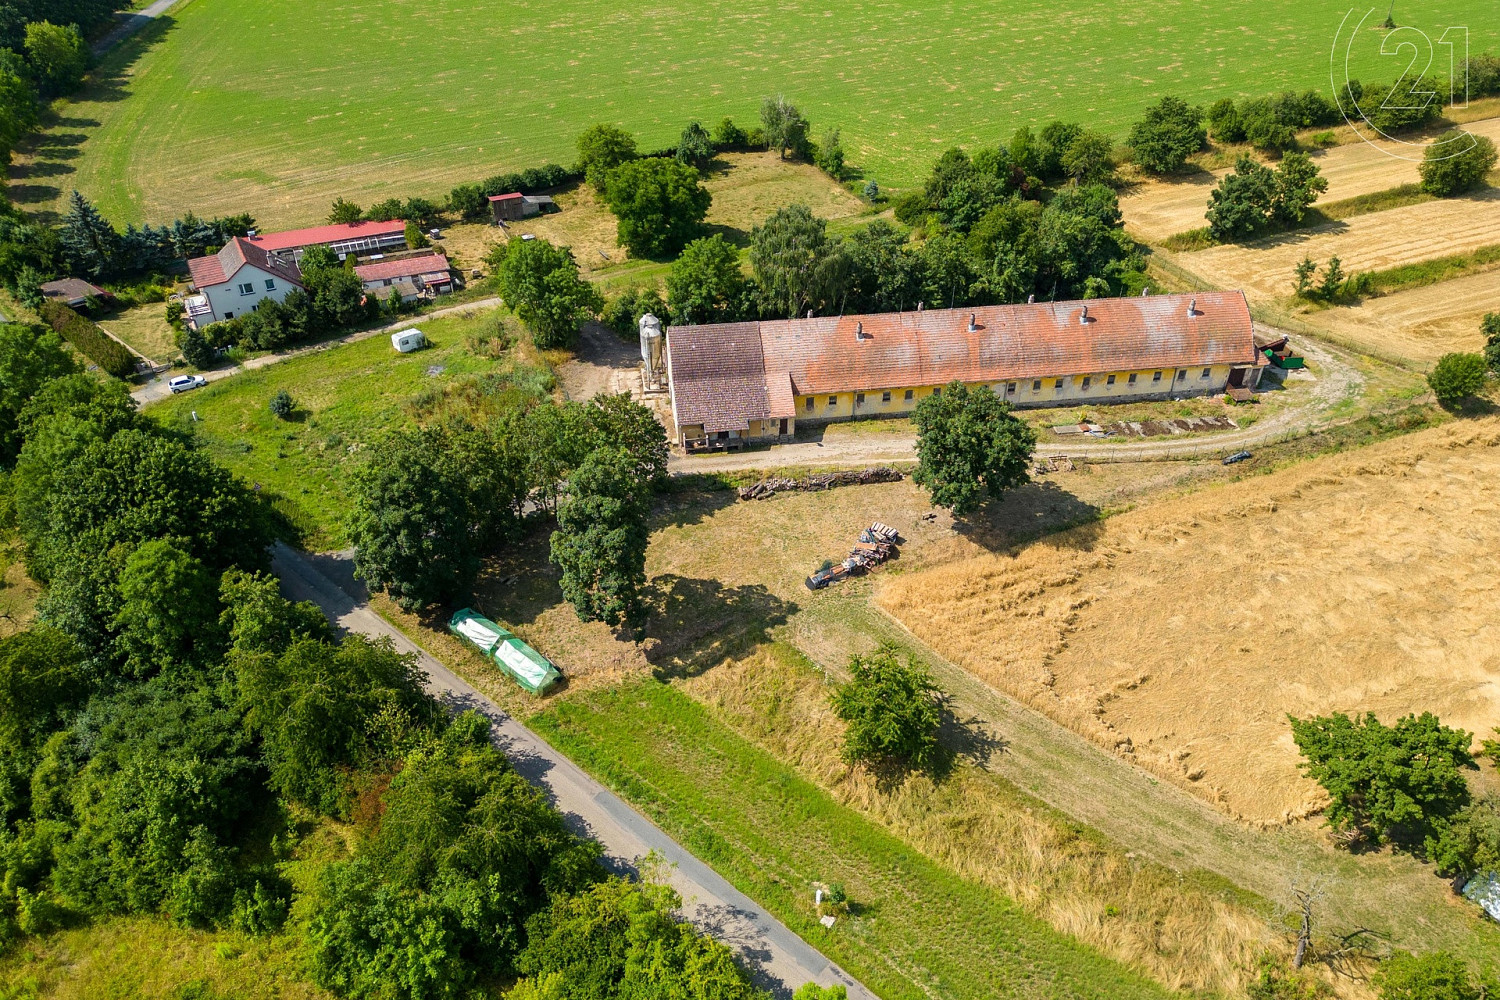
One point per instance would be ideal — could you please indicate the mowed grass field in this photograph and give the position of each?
(276, 107)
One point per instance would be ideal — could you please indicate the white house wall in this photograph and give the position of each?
(228, 301)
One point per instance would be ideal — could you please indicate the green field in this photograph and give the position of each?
(274, 107)
(916, 931)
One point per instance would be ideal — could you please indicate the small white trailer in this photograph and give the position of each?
(407, 341)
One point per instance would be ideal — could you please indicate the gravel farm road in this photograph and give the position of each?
(778, 959)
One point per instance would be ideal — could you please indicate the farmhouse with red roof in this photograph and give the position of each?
(732, 383)
(233, 281)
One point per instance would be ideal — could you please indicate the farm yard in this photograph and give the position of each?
(226, 104)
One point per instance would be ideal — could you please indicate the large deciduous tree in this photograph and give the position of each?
(411, 522)
(659, 204)
(1397, 783)
(969, 447)
(784, 126)
(892, 712)
(602, 148)
(30, 357)
(796, 265)
(1168, 133)
(706, 285)
(1455, 162)
(600, 541)
(541, 283)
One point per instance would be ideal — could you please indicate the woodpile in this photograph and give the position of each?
(767, 488)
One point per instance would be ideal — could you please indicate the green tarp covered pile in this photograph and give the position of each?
(530, 669)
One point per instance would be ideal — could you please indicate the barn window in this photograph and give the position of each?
(885, 397)
(1036, 385)
(1182, 376)
(1010, 387)
(938, 391)
(1111, 381)
(1086, 380)
(809, 404)
(909, 395)
(1058, 385)
(1156, 377)
(1132, 378)
(1205, 373)
(833, 401)
(859, 399)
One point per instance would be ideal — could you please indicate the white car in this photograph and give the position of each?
(183, 383)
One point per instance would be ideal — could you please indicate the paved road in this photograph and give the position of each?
(1335, 380)
(778, 959)
(129, 23)
(157, 388)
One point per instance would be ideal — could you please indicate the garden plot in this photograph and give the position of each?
(1181, 635)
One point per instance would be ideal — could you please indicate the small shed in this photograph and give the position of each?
(508, 207)
(73, 292)
(407, 341)
(526, 666)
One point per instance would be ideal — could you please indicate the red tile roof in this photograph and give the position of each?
(935, 347)
(505, 197)
(717, 375)
(297, 238)
(404, 268)
(238, 252)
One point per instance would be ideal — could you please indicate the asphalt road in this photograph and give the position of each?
(778, 960)
(129, 23)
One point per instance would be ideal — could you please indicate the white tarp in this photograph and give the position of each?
(478, 634)
(524, 666)
(1485, 890)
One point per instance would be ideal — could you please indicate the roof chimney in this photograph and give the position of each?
(919, 306)
(1145, 291)
(859, 330)
(973, 326)
(1030, 299)
(1193, 307)
(1083, 317)
(809, 314)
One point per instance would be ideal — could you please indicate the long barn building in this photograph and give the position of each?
(733, 383)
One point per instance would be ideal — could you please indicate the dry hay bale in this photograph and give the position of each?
(1192, 628)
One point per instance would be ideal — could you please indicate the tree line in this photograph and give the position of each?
(172, 729)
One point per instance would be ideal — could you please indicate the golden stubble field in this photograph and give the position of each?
(1422, 323)
(1181, 635)
(1157, 210)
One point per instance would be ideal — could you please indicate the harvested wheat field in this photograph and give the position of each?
(1422, 324)
(1157, 210)
(1183, 634)
(1371, 242)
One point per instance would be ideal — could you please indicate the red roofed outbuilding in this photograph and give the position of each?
(428, 272)
(739, 382)
(357, 238)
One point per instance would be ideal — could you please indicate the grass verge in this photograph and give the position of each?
(915, 930)
(1430, 272)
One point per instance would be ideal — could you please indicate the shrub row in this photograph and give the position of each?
(471, 200)
(91, 341)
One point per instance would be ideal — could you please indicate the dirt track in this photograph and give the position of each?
(1334, 380)
(1160, 209)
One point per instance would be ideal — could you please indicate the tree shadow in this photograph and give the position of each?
(1040, 507)
(695, 624)
(738, 237)
(692, 503)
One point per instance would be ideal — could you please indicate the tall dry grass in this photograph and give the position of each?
(1186, 933)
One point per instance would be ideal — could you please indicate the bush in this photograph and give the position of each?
(1457, 376)
(893, 711)
(110, 355)
(1456, 162)
(1434, 976)
(728, 135)
(281, 404)
(1170, 132)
